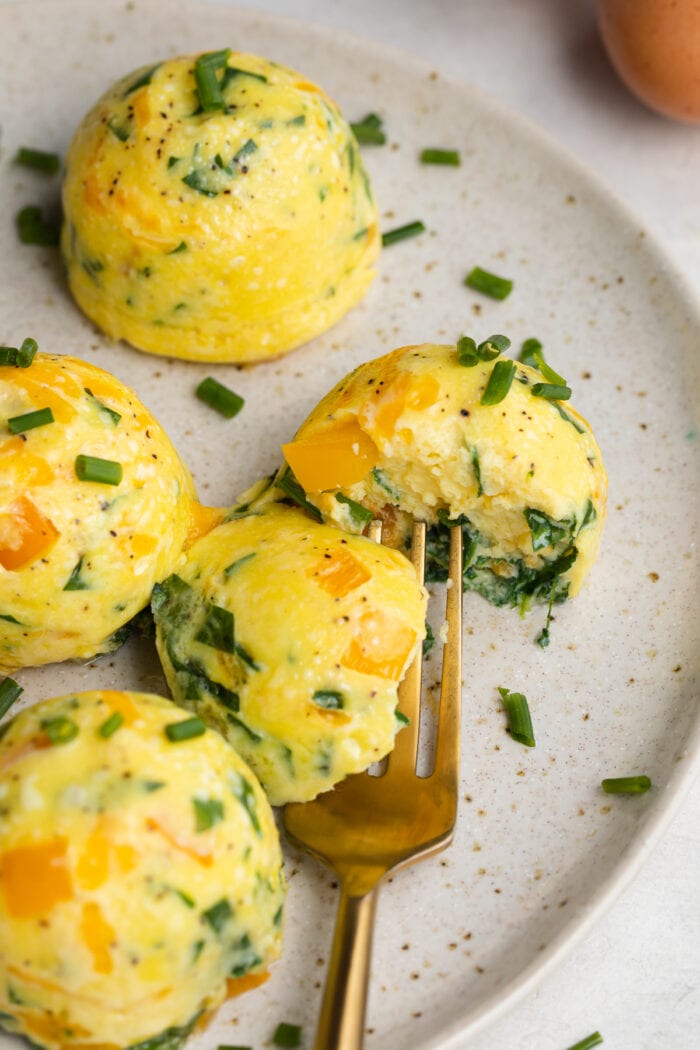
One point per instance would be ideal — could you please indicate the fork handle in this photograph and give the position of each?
(342, 1019)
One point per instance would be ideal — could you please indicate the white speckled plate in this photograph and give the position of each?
(540, 850)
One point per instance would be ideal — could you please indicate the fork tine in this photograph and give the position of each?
(447, 748)
(402, 760)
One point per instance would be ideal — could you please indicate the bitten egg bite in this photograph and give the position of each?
(140, 870)
(291, 638)
(78, 558)
(407, 436)
(217, 209)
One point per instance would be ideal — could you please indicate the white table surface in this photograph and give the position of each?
(636, 977)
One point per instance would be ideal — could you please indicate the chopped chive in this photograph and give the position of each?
(38, 159)
(11, 619)
(208, 87)
(235, 71)
(59, 730)
(102, 471)
(188, 901)
(9, 691)
(330, 699)
(30, 420)
(26, 352)
(217, 631)
(518, 714)
(359, 514)
(218, 915)
(208, 812)
(401, 718)
(75, 580)
(626, 785)
(142, 80)
(594, 1039)
(33, 228)
(297, 122)
(411, 229)
(488, 283)
(196, 180)
(568, 418)
(182, 247)
(528, 350)
(172, 161)
(450, 157)
(237, 564)
(499, 383)
(111, 725)
(492, 347)
(476, 467)
(219, 397)
(287, 1034)
(369, 131)
(176, 732)
(551, 391)
(548, 372)
(118, 130)
(429, 640)
(466, 351)
(104, 410)
(247, 659)
(289, 485)
(248, 147)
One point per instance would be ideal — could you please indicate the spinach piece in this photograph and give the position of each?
(546, 532)
(291, 487)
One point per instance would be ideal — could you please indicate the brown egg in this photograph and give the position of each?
(655, 47)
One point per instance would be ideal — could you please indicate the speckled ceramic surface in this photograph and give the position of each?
(540, 850)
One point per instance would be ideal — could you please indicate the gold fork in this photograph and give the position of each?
(370, 826)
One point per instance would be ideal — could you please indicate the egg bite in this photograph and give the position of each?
(406, 436)
(217, 209)
(290, 638)
(95, 506)
(140, 872)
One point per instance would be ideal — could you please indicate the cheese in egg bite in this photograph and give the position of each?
(78, 554)
(140, 873)
(217, 209)
(290, 638)
(407, 436)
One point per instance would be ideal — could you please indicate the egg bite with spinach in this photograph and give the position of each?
(451, 435)
(95, 506)
(217, 209)
(290, 638)
(140, 873)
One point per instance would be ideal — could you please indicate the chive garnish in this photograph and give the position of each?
(518, 714)
(208, 87)
(527, 352)
(411, 229)
(287, 1034)
(104, 410)
(9, 691)
(207, 812)
(19, 357)
(218, 915)
(626, 785)
(547, 371)
(30, 420)
(359, 514)
(466, 351)
(400, 717)
(111, 725)
(369, 131)
(182, 246)
(33, 228)
(551, 391)
(219, 397)
(237, 564)
(289, 485)
(330, 699)
(38, 159)
(499, 383)
(469, 354)
(75, 580)
(142, 80)
(102, 471)
(488, 283)
(450, 157)
(59, 730)
(176, 732)
(594, 1039)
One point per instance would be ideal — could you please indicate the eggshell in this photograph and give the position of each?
(655, 47)
(226, 235)
(137, 874)
(290, 638)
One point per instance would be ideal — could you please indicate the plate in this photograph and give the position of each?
(540, 851)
